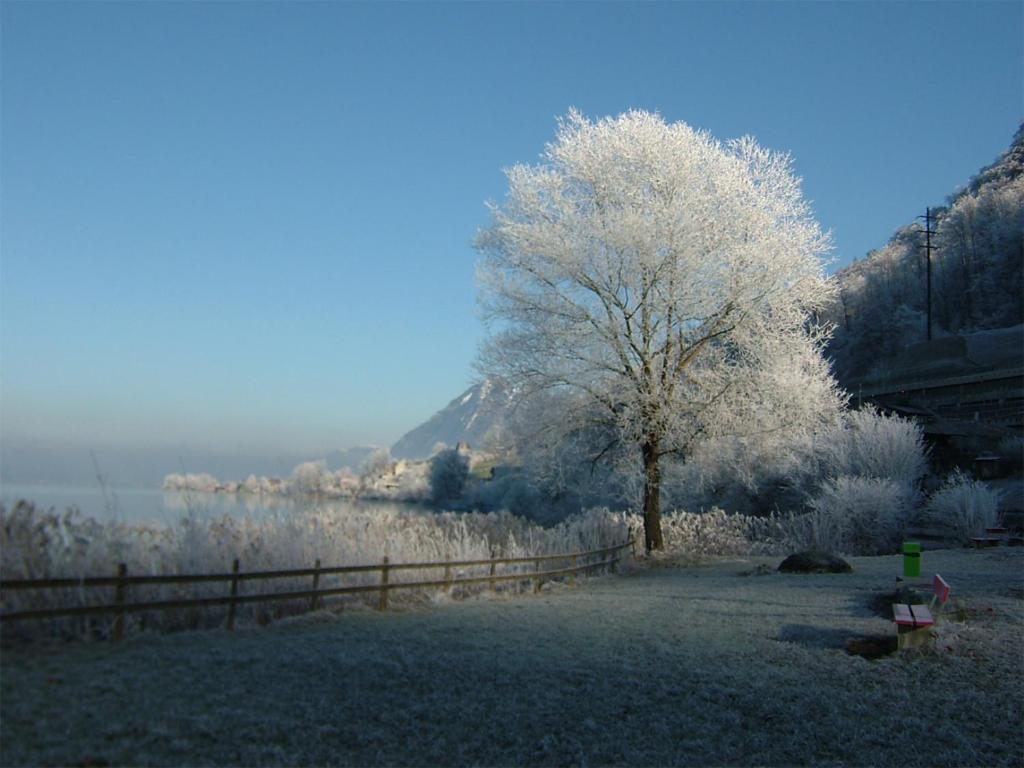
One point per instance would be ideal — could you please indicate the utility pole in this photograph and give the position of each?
(928, 248)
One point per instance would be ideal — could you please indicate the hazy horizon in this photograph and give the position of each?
(37, 463)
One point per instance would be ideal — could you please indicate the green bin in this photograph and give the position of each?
(911, 559)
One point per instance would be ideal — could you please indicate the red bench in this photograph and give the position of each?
(914, 622)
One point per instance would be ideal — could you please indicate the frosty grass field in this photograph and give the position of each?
(716, 663)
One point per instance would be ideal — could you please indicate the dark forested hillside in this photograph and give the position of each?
(977, 267)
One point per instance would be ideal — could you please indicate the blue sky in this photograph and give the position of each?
(246, 227)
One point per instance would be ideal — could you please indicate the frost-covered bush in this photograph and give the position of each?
(377, 463)
(39, 544)
(449, 471)
(870, 444)
(860, 515)
(821, 530)
(413, 482)
(763, 476)
(963, 505)
(717, 532)
(202, 482)
(728, 474)
(309, 477)
(514, 492)
(520, 498)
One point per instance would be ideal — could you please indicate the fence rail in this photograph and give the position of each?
(122, 581)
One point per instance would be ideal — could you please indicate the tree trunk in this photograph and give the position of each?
(652, 495)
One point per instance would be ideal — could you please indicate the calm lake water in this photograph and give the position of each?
(141, 505)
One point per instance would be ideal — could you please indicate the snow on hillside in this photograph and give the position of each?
(470, 418)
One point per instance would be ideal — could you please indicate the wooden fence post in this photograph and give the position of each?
(382, 606)
(118, 630)
(234, 594)
(580, 562)
(632, 541)
(314, 601)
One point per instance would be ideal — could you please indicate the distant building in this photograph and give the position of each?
(966, 392)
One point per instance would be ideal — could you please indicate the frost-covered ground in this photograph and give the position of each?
(663, 665)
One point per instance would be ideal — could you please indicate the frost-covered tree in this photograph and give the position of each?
(309, 477)
(376, 464)
(642, 267)
(760, 451)
(449, 471)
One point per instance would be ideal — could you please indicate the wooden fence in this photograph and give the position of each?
(577, 562)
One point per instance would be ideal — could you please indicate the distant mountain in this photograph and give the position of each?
(472, 417)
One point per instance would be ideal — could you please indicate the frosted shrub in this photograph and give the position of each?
(309, 477)
(786, 468)
(413, 482)
(378, 463)
(965, 506)
(522, 498)
(859, 515)
(717, 532)
(870, 444)
(820, 529)
(189, 482)
(38, 544)
(733, 475)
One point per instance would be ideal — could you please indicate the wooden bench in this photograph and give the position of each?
(914, 622)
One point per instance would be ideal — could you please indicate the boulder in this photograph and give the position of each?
(814, 561)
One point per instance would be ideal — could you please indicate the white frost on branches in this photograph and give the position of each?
(965, 506)
(653, 275)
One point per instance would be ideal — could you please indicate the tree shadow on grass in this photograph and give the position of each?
(815, 637)
(823, 638)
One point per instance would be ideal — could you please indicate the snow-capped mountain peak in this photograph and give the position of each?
(469, 418)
